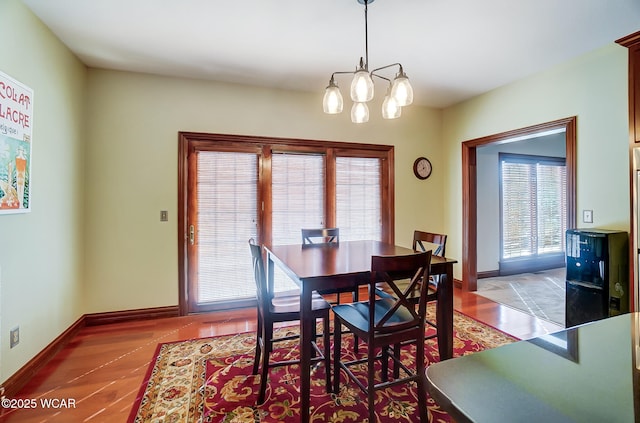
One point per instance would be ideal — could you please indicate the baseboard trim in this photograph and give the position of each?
(95, 319)
(15, 382)
(488, 274)
(20, 378)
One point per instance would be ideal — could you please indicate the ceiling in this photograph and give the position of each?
(451, 50)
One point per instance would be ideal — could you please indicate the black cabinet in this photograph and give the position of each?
(597, 279)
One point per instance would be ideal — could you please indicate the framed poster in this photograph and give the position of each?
(16, 122)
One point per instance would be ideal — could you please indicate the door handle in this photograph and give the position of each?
(192, 235)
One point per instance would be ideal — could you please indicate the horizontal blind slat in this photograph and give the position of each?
(227, 217)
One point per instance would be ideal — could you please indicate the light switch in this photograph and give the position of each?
(587, 216)
(164, 215)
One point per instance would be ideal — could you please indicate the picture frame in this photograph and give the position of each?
(16, 123)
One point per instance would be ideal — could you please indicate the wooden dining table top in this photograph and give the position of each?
(343, 258)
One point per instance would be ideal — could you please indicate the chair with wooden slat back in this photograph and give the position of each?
(438, 243)
(422, 241)
(385, 324)
(330, 236)
(320, 235)
(283, 308)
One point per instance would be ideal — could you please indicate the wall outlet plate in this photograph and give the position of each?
(587, 216)
(14, 337)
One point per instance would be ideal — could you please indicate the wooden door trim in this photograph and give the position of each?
(264, 146)
(469, 188)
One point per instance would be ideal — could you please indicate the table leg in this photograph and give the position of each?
(444, 314)
(306, 338)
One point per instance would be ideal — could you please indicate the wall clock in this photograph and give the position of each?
(422, 168)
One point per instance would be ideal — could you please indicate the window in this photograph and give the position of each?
(358, 198)
(298, 195)
(533, 200)
(233, 188)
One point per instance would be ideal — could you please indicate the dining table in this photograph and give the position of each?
(323, 267)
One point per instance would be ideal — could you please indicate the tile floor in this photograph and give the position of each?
(541, 294)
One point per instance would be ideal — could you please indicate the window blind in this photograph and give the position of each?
(358, 198)
(227, 196)
(533, 198)
(298, 195)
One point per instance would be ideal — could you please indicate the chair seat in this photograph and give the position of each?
(283, 304)
(357, 314)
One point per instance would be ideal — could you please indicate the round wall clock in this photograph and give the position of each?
(422, 168)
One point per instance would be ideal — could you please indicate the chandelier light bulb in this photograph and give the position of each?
(359, 113)
(332, 102)
(362, 85)
(390, 108)
(401, 89)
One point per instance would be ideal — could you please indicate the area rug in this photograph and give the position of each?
(210, 380)
(540, 294)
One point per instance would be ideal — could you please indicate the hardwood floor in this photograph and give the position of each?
(99, 373)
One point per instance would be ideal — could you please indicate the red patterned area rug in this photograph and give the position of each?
(210, 380)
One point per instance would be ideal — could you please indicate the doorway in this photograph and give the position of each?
(470, 187)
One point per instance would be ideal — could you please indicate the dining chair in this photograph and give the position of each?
(283, 308)
(320, 235)
(422, 241)
(324, 236)
(330, 236)
(384, 324)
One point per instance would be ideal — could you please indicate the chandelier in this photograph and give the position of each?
(399, 91)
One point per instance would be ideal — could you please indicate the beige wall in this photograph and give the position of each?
(133, 124)
(41, 252)
(593, 88)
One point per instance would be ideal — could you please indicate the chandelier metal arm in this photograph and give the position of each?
(386, 67)
(381, 77)
(342, 73)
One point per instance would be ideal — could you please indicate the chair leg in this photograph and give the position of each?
(422, 380)
(326, 339)
(355, 296)
(314, 336)
(259, 341)
(371, 393)
(384, 363)
(268, 346)
(396, 367)
(337, 348)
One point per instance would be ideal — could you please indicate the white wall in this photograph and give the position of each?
(132, 145)
(41, 251)
(593, 88)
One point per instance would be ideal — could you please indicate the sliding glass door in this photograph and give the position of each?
(237, 188)
(226, 216)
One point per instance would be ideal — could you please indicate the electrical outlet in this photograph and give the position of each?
(587, 216)
(14, 337)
